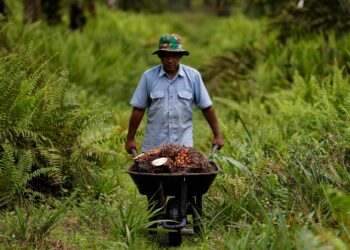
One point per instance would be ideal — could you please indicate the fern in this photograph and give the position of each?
(41, 127)
(224, 74)
(15, 176)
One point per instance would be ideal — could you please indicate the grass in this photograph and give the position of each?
(285, 178)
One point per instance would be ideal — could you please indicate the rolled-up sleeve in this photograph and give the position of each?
(140, 98)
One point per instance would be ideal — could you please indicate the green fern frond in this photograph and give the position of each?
(22, 132)
(23, 169)
(41, 128)
(10, 172)
(35, 194)
(7, 158)
(51, 154)
(26, 177)
(10, 90)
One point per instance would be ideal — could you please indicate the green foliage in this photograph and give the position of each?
(40, 132)
(91, 59)
(273, 234)
(262, 7)
(313, 17)
(15, 177)
(309, 240)
(129, 221)
(283, 109)
(31, 227)
(298, 144)
(232, 68)
(258, 69)
(339, 204)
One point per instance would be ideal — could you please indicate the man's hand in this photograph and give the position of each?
(210, 116)
(218, 141)
(129, 145)
(134, 123)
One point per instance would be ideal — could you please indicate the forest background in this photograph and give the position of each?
(278, 75)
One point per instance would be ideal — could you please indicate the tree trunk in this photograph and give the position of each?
(31, 10)
(222, 8)
(175, 6)
(207, 5)
(187, 4)
(207, 2)
(125, 5)
(51, 8)
(90, 6)
(77, 16)
(133, 5)
(160, 7)
(2, 8)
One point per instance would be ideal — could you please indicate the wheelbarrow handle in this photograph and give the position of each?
(134, 152)
(214, 148)
(213, 151)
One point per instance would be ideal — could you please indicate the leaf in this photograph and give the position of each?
(233, 162)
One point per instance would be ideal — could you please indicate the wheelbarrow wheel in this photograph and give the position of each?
(173, 213)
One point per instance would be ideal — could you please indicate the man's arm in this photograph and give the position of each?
(210, 116)
(134, 123)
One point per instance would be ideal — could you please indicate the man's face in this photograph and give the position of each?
(170, 60)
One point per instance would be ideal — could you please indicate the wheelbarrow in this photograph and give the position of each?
(179, 194)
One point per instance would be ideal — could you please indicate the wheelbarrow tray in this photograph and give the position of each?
(197, 183)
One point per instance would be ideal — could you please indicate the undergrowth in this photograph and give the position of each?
(283, 109)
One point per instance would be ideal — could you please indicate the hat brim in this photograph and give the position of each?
(182, 52)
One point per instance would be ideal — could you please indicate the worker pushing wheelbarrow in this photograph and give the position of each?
(175, 178)
(168, 91)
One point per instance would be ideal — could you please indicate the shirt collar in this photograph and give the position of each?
(180, 72)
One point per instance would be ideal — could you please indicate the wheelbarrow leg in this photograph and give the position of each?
(183, 201)
(155, 202)
(197, 214)
(152, 206)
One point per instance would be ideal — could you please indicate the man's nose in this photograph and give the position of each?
(169, 58)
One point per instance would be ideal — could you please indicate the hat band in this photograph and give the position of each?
(170, 46)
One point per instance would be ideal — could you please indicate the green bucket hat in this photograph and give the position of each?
(170, 43)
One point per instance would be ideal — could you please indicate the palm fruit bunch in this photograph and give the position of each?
(172, 158)
(183, 158)
(143, 162)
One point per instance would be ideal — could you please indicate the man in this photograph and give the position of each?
(168, 91)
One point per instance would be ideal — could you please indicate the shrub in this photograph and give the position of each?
(41, 149)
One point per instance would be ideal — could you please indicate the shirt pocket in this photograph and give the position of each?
(157, 99)
(185, 95)
(184, 104)
(157, 95)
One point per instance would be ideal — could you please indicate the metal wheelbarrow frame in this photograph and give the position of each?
(186, 191)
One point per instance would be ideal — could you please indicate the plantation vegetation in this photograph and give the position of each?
(279, 78)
